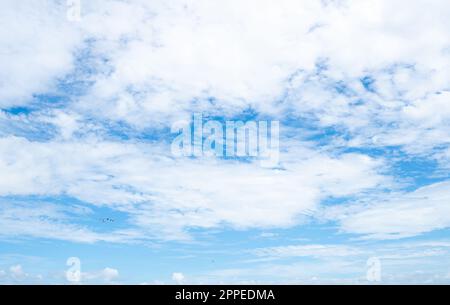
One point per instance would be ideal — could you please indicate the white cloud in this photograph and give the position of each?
(178, 277)
(17, 272)
(268, 235)
(165, 196)
(322, 251)
(409, 214)
(401, 262)
(106, 275)
(167, 59)
(110, 274)
(37, 46)
(179, 54)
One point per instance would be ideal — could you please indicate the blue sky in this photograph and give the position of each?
(361, 91)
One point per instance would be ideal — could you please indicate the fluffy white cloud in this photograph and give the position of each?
(178, 277)
(403, 215)
(37, 46)
(166, 59)
(17, 272)
(173, 57)
(107, 275)
(165, 195)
